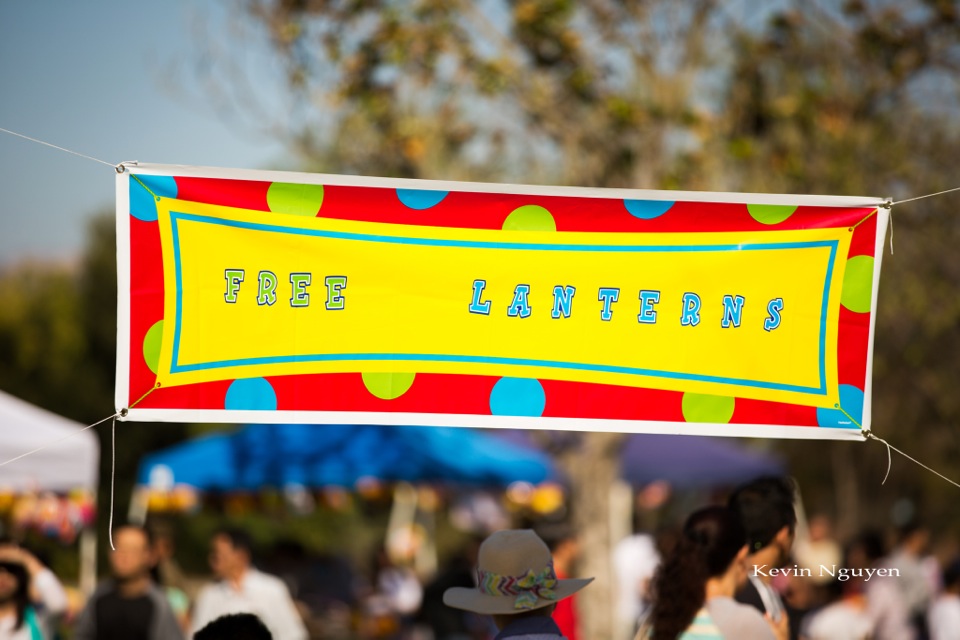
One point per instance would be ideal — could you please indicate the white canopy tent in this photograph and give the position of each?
(60, 467)
(68, 460)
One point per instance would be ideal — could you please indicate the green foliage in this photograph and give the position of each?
(835, 97)
(58, 335)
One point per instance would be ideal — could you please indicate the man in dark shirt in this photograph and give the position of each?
(765, 508)
(130, 606)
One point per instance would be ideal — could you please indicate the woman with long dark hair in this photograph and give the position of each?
(17, 621)
(694, 586)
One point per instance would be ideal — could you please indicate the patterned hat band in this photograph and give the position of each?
(526, 588)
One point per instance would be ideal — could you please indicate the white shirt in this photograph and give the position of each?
(838, 621)
(53, 603)
(886, 608)
(772, 603)
(635, 560)
(7, 631)
(261, 594)
(735, 620)
(944, 618)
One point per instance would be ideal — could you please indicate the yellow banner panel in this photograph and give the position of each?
(748, 314)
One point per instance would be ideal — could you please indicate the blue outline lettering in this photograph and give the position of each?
(607, 295)
(476, 306)
(732, 311)
(562, 301)
(335, 286)
(774, 307)
(520, 305)
(298, 289)
(234, 277)
(176, 217)
(648, 314)
(267, 289)
(690, 315)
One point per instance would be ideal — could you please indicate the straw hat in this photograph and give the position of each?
(514, 574)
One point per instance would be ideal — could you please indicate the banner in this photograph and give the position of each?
(250, 296)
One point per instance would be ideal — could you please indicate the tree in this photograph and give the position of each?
(862, 99)
(803, 97)
(547, 91)
(58, 328)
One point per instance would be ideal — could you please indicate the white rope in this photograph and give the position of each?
(57, 441)
(869, 436)
(113, 449)
(76, 153)
(113, 473)
(113, 461)
(929, 195)
(891, 233)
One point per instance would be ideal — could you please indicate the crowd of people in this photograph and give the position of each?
(740, 570)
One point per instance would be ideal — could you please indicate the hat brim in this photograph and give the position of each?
(470, 599)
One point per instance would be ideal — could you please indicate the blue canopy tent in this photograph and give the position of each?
(683, 461)
(691, 461)
(313, 456)
(260, 456)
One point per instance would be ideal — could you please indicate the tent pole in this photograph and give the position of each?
(88, 561)
(139, 505)
(621, 526)
(403, 513)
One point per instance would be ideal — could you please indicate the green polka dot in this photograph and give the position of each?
(388, 386)
(858, 284)
(530, 217)
(151, 346)
(698, 407)
(770, 213)
(295, 199)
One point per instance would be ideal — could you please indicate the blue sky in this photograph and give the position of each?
(96, 77)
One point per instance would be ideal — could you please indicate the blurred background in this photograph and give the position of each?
(839, 97)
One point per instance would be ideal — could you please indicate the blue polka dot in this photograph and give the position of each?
(517, 397)
(647, 209)
(143, 206)
(251, 394)
(420, 199)
(851, 399)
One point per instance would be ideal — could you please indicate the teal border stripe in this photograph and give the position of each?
(175, 367)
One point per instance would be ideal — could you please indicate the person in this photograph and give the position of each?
(235, 626)
(908, 559)
(167, 575)
(241, 588)
(694, 587)
(565, 548)
(818, 548)
(398, 592)
(46, 598)
(765, 509)
(444, 622)
(845, 615)
(167, 569)
(129, 606)
(516, 586)
(943, 619)
(885, 604)
(635, 560)
(17, 621)
(843, 618)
